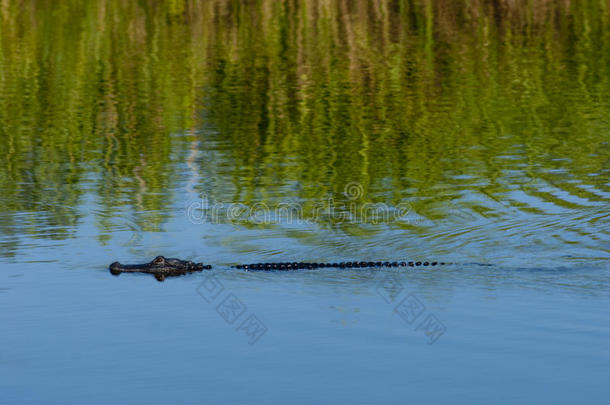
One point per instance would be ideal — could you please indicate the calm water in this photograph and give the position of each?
(310, 131)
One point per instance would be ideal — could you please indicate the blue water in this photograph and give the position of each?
(485, 125)
(532, 327)
(73, 333)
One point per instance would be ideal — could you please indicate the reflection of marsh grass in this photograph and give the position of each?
(397, 95)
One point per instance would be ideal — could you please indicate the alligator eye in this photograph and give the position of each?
(158, 260)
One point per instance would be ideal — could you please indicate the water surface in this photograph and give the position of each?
(230, 132)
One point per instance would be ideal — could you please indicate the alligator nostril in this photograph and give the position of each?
(115, 268)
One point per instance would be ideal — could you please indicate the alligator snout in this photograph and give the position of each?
(115, 268)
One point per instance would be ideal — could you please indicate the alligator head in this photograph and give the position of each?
(161, 267)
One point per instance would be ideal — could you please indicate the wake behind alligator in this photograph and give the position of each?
(162, 267)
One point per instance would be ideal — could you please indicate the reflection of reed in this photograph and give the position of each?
(404, 97)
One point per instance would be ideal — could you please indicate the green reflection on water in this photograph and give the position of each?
(498, 111)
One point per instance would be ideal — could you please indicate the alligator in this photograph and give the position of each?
(162, 267)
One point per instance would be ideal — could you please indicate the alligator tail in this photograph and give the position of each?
(342, 265)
